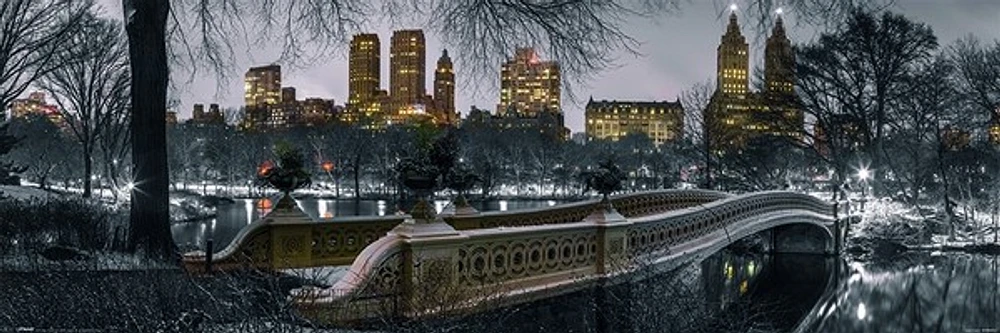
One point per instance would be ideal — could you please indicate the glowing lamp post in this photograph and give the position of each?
(328, 167)
(863, 175)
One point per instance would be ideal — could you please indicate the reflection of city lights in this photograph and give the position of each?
(744, 286)
(552, 203)
(381, 208)
(324, 210)
(503, 205)
(264, 203)
(249, 209)
(729, 271)
(751, 267)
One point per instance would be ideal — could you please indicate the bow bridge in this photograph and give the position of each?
(462, 259)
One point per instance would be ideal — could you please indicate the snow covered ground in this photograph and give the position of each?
(104, 261)
(25, 193)
(321, 276)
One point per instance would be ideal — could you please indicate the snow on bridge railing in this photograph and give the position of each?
(663, 231)
(629, 205)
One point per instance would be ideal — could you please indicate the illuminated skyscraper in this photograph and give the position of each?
(407, 66)
(365, 70)
(262, 86)
(779, 62)
(444, 91)
(529, 84)
(733, 60)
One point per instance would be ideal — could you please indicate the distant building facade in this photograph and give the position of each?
(171, 118)
(213, 116)
(529, 85)
(444, 91)
(662, 122)
(36, 103)
(546, 123)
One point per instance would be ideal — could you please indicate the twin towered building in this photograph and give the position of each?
(733, 115)
(407, 97)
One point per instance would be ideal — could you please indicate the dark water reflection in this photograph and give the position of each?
(234, 217)
(914, 293)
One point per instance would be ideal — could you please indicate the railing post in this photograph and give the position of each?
(612, 238)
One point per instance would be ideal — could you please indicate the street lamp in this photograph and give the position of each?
(863, 175)
(328, 167)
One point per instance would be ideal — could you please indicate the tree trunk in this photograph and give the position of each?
(88, 172)
(149, 219)
(357, 182)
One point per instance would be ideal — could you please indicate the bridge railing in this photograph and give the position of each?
(292, 239)
(531, 260)
(628, 205)
(655, 233)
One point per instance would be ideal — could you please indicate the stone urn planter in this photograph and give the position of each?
(287, 175)
(606, 179)
(461, 179)
(421, 177)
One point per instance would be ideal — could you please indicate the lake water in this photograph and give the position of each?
(232, 218)
(916, 292)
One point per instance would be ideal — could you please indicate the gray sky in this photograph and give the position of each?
(677, 51)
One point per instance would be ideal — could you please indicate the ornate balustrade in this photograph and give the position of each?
(291, 239)
(537, 260)
(658, 233)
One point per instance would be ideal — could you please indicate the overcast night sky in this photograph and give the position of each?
(678, 51)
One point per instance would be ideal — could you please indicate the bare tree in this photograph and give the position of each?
(89, 83)
(977, 76)
(695, 100)
(859, 70)
(30, 33)
(115, 142)
(43, 149)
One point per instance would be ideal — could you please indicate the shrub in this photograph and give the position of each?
(38, 223)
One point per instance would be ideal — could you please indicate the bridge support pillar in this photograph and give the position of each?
(428, 261)
(612, 239)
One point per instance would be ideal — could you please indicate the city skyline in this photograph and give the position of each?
(670, 62)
